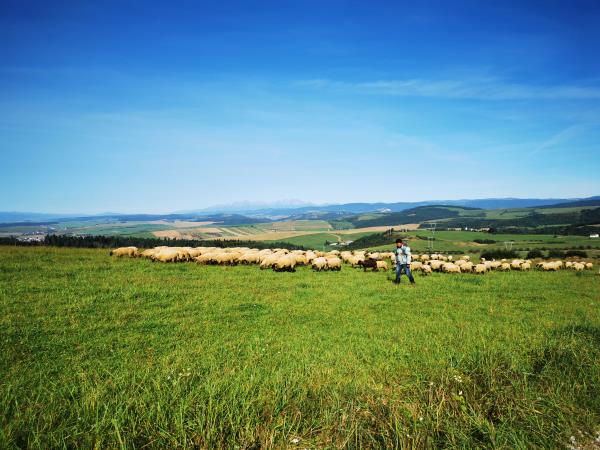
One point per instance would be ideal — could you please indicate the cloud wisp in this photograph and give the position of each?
(473, 89)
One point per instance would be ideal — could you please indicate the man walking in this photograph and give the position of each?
(403, 260)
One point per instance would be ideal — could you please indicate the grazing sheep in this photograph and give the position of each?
(466, 257)
(551, 266)
(589, 265)
(285, 263)
(368, 263)
(310, 255)
(334, 263)
(183, 255)
(525, 266)
(124, 251)
(450, 268)
(426, 269)
(435, 264)
(516, 264)
(148, 253)
(382, 265)
(269, 262)
(167, 255)
(578, 266)
(194, 252)
(467, 266)
(249, 258)
(319, 263)
(416, 265)
(354, 261)
(504, 267)
(345, 255)
(301, 260)
(225, 259)
(480, 268)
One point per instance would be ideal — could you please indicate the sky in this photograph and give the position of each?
(141, 106)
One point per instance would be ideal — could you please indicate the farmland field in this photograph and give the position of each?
(100, 352)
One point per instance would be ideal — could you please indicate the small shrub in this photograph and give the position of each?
(535, 253)
(484, 241)
(499, 254)
(554, 253)
(578, 253)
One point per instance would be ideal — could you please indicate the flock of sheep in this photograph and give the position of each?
(283, 260)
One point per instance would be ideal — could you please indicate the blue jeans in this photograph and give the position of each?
(403, 268)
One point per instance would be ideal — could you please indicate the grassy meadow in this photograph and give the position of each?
(99, 352)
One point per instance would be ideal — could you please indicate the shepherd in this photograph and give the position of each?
(403, 261)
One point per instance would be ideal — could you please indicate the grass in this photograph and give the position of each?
(104, 353)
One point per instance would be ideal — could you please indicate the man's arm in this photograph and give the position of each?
(408, 256)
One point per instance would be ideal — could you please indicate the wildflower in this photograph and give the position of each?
(295, 440)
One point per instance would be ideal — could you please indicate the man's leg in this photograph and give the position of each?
(398, 273)
(408, 274)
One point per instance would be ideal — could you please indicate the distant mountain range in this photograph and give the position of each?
(245, 206)
(283, 209)
(234, 212)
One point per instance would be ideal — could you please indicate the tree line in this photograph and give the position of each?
(57, 240)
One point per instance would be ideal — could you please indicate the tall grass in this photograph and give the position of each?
(100, 352)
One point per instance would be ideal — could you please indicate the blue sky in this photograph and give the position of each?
(136, 106)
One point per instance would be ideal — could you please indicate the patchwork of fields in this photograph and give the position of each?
(104, 352)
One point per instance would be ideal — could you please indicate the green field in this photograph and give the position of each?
(318, 240)
(314, 241)
(464, 241)
(106, 353)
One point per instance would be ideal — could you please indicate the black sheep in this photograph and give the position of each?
(369, 263)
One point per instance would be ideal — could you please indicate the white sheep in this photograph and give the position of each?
(269, 261)
(504, 267)
(334, 263)
(124, 251)
(435, 264)
(450, 268)
(466, 266)
(167, 255)
(285, 263)
(578, 266)
(319, 263)
(480, 268)
(382, 265)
